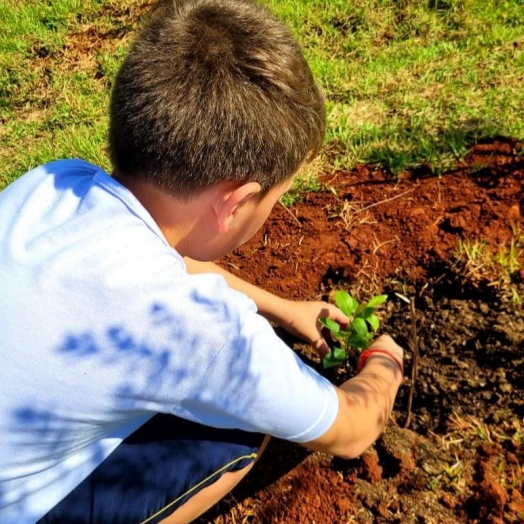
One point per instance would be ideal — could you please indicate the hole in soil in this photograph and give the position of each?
(422, 172)
(334, 276)
(486, 178)
(447, 226)
(449, 283)
(390, 464)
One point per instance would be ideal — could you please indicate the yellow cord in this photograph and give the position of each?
(252, 456)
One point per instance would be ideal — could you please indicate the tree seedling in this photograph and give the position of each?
(362, 323)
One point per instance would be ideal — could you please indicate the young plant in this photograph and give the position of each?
(362, 323)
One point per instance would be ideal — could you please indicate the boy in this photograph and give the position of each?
(139, 380)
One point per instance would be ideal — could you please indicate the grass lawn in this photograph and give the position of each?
(407, 82)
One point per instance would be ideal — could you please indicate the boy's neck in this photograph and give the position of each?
(176, 218)
(213, 221)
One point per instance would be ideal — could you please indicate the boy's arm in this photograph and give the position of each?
(299, 318)
(365, 403)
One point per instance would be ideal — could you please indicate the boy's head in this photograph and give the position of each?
(214, 91)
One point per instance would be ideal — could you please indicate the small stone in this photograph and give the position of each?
(487, 395)
(382, 510)
(432, 468)
(448, 500)
(344, 504)
(514, 212)
(506, 387)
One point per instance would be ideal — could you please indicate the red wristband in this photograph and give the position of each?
(363, 358)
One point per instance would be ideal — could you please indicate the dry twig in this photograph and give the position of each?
(386, 200)
(294, 217)
(413, 345)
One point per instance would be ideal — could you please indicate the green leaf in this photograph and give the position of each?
(376, 301)
(360, 327)
(341, 336)
(366, 312)
(322, 320)
(359, 342)
(334, 358)
(339, 354)
(346, 302)
(373, 321)
(330, 324)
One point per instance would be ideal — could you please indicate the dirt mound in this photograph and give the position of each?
(454, 243)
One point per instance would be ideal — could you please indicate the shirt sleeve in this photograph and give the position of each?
(257, 383)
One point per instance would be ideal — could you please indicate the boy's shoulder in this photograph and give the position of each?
(42, 183)
(66, 192)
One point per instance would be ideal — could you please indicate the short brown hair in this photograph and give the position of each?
(214, 90)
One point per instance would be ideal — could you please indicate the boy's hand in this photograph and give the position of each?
(387, 344)
(301, 319)
(383, 347)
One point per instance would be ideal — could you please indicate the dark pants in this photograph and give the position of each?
(154, 471)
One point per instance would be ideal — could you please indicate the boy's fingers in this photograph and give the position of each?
(322, 347)
(339, 317)
(335, 314)
(319, 342)
(383, 339)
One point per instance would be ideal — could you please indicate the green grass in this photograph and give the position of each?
(57, 60)
(407, 81)
(411, 82)
(480, 263)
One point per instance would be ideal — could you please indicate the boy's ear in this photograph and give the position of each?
(229, 200)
